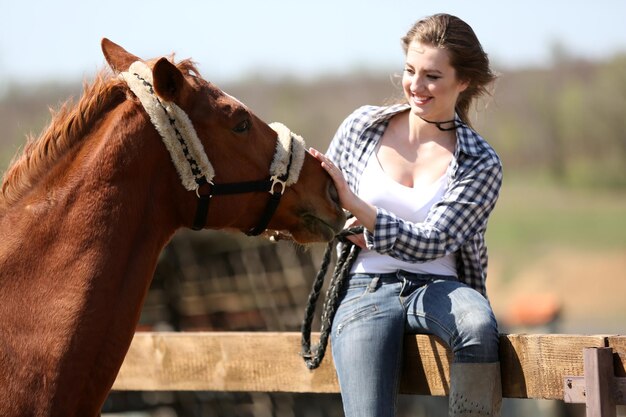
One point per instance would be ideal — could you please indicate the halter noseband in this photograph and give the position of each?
(269, 184)
(190, 159)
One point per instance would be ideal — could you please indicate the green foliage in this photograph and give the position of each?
(535, 215)
(567, 120)
(537, 212)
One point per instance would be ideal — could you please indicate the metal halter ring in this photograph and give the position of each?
(197, 189)
(276, 180)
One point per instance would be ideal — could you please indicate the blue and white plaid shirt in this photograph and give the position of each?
(455, 224)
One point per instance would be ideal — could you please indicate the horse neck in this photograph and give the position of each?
(77, 260)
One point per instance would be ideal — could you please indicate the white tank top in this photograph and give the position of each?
(410, 204)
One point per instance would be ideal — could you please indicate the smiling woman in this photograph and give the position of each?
(88, 207)
(422, 184)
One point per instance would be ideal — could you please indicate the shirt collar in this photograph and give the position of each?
(468, 140)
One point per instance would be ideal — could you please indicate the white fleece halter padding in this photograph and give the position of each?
(283, 148)
(168, 118)
(161, 112)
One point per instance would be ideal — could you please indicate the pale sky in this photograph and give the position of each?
(231, 39)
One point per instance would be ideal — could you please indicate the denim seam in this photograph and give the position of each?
(365, 312)
(451, 335)
(351, 301)
(396, 384)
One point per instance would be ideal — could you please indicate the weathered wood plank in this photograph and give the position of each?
(426, 366)
(533, 366)
(618, 344)
(221, 361)
(599, 388)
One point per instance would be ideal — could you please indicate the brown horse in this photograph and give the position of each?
(88, 207)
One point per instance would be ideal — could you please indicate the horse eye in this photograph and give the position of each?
(243, 126)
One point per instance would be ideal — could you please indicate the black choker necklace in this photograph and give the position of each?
(440, 127)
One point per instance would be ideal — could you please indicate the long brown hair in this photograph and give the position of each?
(467, 56)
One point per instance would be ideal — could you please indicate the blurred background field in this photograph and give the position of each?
(557, 238)
(560, 224)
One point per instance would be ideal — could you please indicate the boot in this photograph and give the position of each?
(475, 390)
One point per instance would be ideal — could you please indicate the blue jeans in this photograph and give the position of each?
(375, 312)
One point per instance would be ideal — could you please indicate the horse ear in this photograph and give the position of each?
(168, 80)
(118, 58)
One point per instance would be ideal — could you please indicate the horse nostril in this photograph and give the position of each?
(332, 192)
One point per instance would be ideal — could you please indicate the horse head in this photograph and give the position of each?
(237, 172)
(87, 208)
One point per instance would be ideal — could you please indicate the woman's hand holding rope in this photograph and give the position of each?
(351, 241)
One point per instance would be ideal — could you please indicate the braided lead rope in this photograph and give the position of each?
(348, 253)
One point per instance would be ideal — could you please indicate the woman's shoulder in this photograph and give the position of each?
(473, 143)
(370, 112)
(365, 113)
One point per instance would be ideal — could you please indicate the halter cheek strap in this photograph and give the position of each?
(190, 159)
(275, 185)
(174, 126)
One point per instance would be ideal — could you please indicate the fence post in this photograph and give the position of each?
(599, 376)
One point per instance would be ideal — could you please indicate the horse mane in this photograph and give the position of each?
(68, 127)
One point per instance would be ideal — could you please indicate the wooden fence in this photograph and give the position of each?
(236, 305)
(572, 368)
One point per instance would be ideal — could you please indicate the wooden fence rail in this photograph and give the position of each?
(573, 368)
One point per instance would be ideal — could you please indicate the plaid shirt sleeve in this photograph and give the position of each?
(336, 148)
(346, 150)
(452, 222)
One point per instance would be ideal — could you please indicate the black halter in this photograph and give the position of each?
(205, 190)
(275, 185)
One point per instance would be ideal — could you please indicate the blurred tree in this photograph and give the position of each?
(566, 120)
(608, 114)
